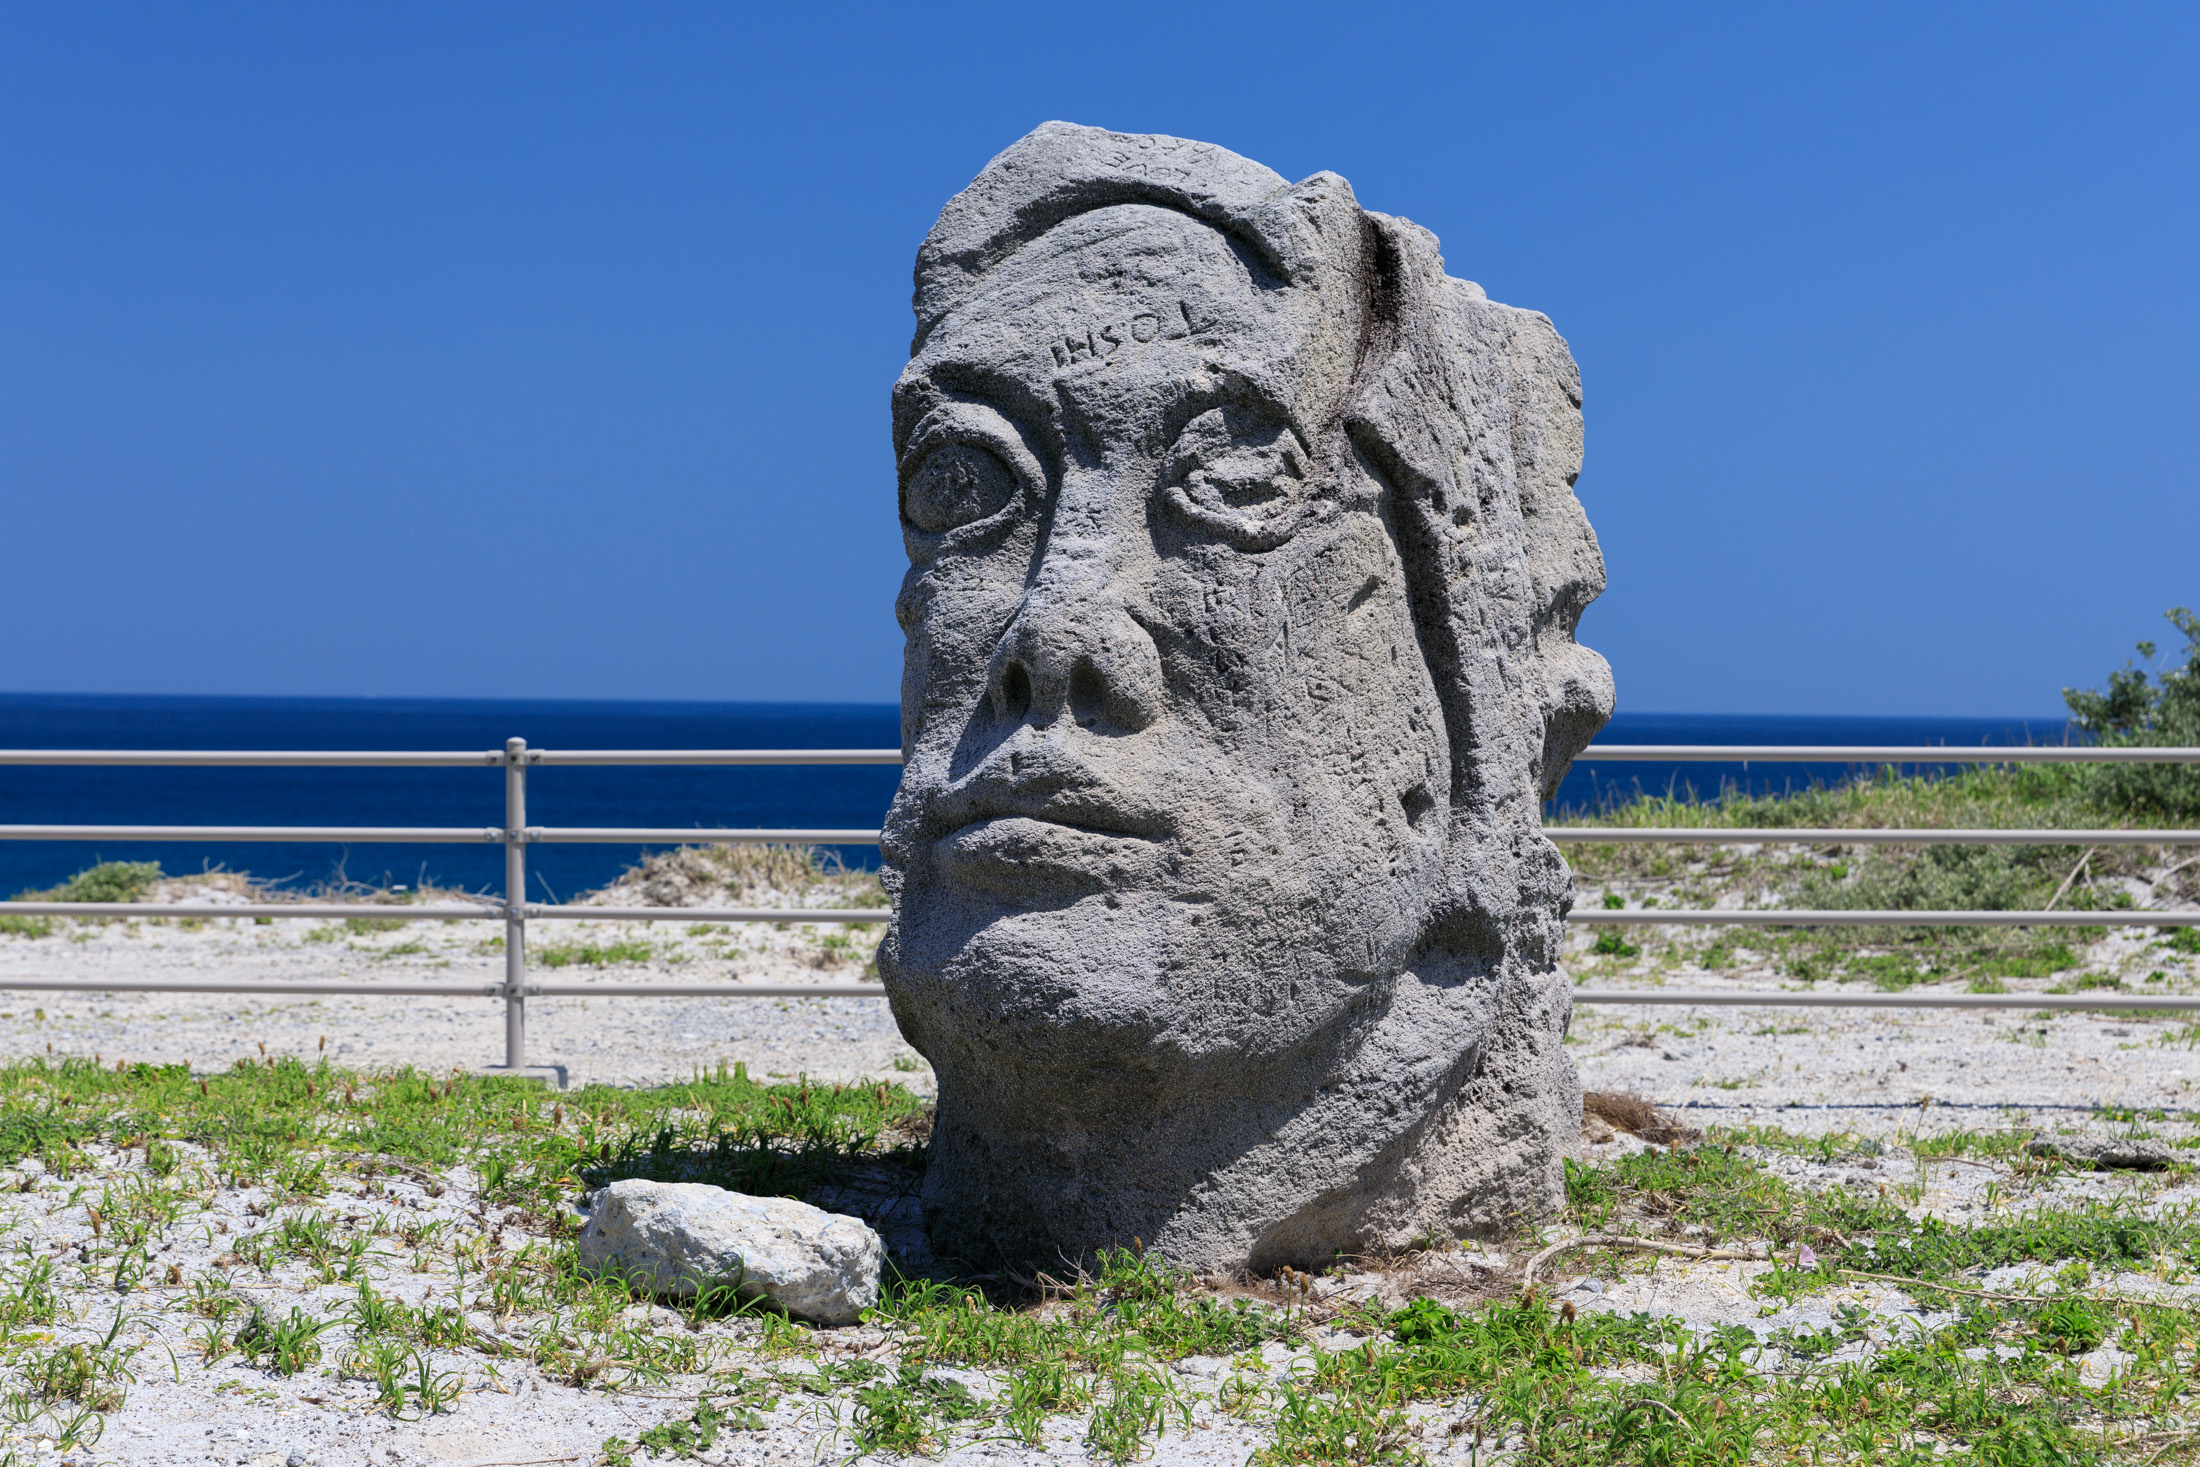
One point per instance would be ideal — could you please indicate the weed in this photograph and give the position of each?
(285, 1346)
(591, 955)
(906, 1412)
(687, 1438)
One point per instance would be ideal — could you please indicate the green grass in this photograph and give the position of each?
(287, 1122)
(1095, 1361)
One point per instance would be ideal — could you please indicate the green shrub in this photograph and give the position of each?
(109, 881)
(1938, 879)
(2136, 712)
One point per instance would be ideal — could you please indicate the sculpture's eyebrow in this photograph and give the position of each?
(1239, 392)
(953, 379)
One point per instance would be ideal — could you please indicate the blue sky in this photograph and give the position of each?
(540, 350)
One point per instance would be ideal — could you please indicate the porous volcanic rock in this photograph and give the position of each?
(1245, 569)
(679, 1237)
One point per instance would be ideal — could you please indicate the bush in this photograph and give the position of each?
(1937, 879)
(2137, 712)
(109, 881)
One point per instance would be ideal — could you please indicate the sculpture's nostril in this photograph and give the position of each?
(1015, 694)
(1088, 692)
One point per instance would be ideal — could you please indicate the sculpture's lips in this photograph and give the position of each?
(1023, 856)
(1081, 805)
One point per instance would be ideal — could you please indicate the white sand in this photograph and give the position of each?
(1800, 1070)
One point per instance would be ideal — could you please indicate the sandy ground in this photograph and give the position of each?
(185, 1412)
(1877, 1072)
(622, 1041)
(1880, 1074)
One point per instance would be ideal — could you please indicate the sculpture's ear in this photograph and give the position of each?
(1471, 413)
(1565, 565)
(1313, 234)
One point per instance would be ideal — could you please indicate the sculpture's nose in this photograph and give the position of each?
(1075, 648)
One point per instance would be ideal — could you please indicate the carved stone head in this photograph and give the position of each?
(1245, 568)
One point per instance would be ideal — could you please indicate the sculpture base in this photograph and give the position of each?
(1230, 1188)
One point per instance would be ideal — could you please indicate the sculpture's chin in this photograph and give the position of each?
(1106, 991)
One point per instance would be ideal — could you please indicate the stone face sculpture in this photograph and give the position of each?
(1245, 568)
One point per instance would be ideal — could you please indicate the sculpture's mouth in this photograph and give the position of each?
(1046, 858)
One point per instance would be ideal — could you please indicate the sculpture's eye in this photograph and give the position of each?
(956, 484)
(1242, 474)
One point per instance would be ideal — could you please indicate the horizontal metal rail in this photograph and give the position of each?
(434, 758)
(573, 912)
(1874, 836)
(340, 834)
(569, 989)
(1885, 754)
(1710, 997)
(1759, 998)
(444, 834)
(297, 911)
(712, 756)
(1799, 917)
(398, 988)
(678, 835)
(782, 915)
(376, 911)
(1666, 753)
(262, 758)
(674, 836)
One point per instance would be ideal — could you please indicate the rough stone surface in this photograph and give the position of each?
(1245, 568)
(2133, 1154)
(679, 1236)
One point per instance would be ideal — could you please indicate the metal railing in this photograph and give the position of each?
(515, 835)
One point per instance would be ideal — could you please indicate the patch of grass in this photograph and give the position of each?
(592, 955)
(361, 926)
(283, 1122)
(15, 925)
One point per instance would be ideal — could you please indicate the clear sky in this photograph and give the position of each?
(543, 350)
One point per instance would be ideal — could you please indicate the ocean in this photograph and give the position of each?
(666, 797)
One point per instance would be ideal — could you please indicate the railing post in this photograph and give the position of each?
(515, 904)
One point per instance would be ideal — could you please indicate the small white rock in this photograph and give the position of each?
(676, 1236)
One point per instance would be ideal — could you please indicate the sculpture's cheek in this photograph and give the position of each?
(953, 611)
(1308, 737)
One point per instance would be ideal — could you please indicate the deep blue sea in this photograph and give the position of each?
(849, 796)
